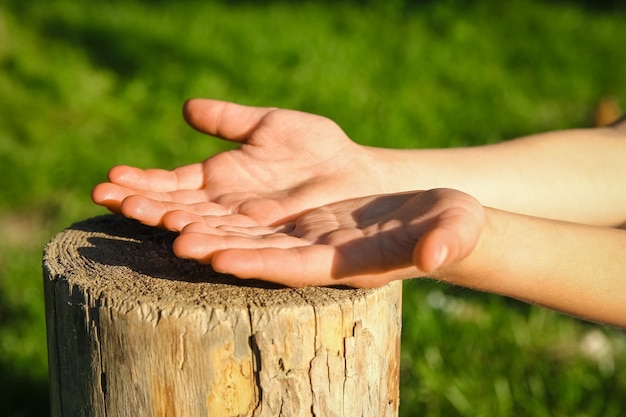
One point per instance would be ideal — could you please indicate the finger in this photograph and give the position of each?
(110, 195)
(227, 230)
(252, 230)
(451, 240)
(151, 212)
(309, 265)
(201, 227)
(199, 246)
(433, 250)
(294, 267)
(235, 219)
(188, 177)
(225, 120)
(209, 232)
(177, 220)
(202, 246)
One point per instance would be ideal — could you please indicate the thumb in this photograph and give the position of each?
(448, 242)
(222, 119)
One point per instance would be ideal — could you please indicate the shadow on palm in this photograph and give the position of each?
(359, 242)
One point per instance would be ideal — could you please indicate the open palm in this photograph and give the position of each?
(362, 242)
(288, 162)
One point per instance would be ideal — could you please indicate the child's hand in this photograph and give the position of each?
(363, 242)
(288, 162)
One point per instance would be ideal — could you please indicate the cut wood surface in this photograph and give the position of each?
(135, 331)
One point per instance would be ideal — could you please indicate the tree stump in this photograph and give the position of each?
(134, 331)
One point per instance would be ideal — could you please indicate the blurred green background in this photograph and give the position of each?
(86, 85)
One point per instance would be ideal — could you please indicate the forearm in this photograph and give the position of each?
(575, 175)
(573, 268)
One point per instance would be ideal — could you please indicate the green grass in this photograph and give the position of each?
(86, 85)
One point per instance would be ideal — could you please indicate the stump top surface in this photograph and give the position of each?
(120, 261)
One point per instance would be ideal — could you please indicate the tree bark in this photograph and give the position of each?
(135, 331)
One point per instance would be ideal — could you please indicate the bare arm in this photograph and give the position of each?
(574, 175)
(289, 162)
(573, 268)
(444, 234)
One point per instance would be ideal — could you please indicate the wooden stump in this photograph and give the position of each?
(135, 331)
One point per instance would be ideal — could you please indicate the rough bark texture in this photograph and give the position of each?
(134, 331)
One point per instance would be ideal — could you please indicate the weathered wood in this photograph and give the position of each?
(134, 331)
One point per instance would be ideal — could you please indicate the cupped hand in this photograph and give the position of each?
(363, 242)
(288, 162)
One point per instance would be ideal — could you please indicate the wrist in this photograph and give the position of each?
(381, 169)
(402, 170)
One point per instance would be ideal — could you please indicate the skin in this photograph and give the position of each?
(442, 233)
(289, 162)
(299, 203)
(570, 267)
(362, 242)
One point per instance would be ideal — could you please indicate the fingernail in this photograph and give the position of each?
(441, 257)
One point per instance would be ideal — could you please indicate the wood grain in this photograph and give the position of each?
(135, 331)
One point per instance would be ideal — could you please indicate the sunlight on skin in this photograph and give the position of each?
(178, 219)
(288, 162)
(345, 242)
(253, 209)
